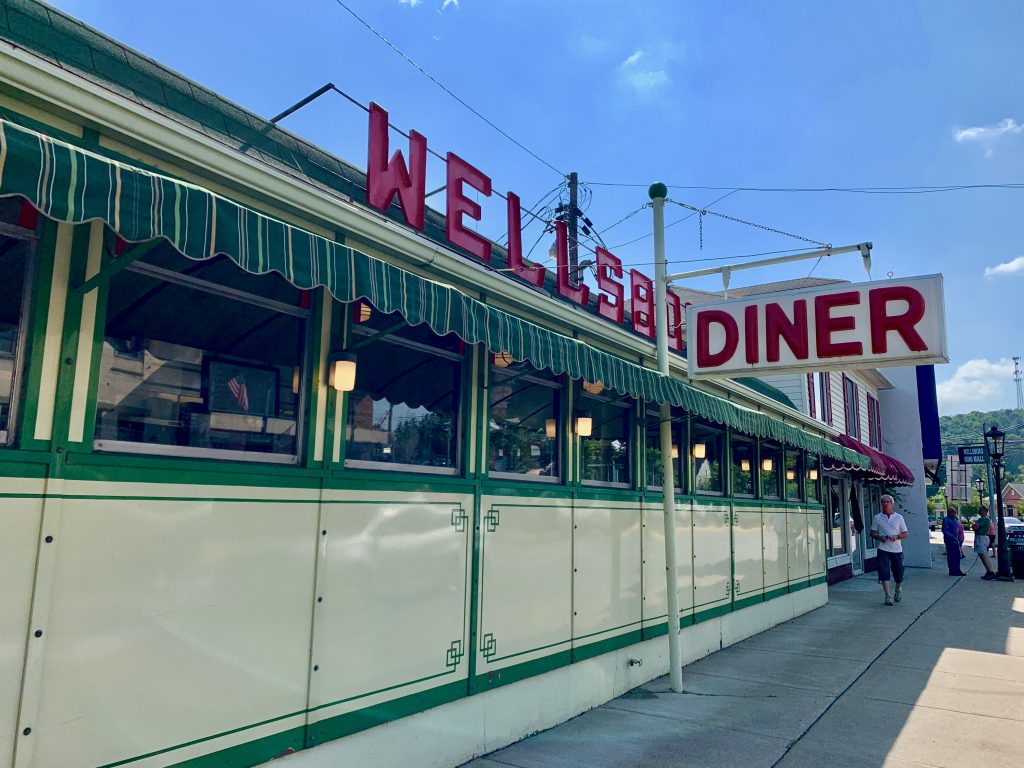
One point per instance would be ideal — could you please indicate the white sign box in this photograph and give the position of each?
(827, 327)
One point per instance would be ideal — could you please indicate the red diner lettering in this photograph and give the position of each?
(674, 316)
(460, 172)
(882, 322)
(705, 358)
(609, 265)
(578, 293)
(533, 273)
(385, 179)
(825, 325)
(750, 334)
(777, 326)
(641, 289)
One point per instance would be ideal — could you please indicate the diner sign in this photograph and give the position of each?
(838, 326)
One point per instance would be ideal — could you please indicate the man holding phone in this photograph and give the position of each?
(889, 529)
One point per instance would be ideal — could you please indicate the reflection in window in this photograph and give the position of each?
(793, 475)
(13, 278)
(812, 481)
(199, 356)
(524, 423)
(652, 426)
(835, 511)
(706, 447)
(771, 470)
(604, 455)
(742, 467)
(404, 409)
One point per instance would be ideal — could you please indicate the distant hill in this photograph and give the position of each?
(966, 428)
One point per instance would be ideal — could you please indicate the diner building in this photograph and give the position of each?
(288, 470)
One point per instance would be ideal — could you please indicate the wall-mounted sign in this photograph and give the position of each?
(833, 327)
(972, 454)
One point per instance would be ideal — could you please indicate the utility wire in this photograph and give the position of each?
(445, 88)
(909, 190)
(677, 221)
(705, 212)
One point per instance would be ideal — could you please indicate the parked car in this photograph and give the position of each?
(933, 521)
(1014, 528)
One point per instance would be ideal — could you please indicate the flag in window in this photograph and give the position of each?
(239, 391)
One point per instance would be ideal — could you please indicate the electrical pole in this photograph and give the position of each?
(573, 222)
(1018, 379)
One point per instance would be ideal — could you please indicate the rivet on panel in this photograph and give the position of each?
(26, 732)
(323, 532)
(320, 599)
(49, 539)
(69, 360)
(38, 633)
(316, 667)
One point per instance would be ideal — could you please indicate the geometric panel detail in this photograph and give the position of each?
(491, 519)
(459, 519)
(454, 654)
(490, 646)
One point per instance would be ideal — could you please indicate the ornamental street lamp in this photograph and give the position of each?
(995, 441)
(979, 484)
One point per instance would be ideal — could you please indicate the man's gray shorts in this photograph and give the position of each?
(890, 566)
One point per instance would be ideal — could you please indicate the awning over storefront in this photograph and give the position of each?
(70, 184)
(883, 468)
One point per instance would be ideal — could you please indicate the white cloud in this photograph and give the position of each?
(644, 72)
(986, 136)
(978, 384)
(410, 3)
(1014, 267)
(632, 60)
(449, 2)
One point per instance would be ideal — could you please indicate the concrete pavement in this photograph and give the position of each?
(937, 680)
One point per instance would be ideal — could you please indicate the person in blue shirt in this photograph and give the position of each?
(950, 535)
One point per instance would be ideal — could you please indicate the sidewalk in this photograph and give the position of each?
(937, 680)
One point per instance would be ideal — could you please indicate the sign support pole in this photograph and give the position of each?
(658, 192)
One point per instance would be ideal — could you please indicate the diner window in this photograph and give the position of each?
(792, 478)
(652, 429)
(812, 480)
(771, 471)
(201, 358)
(524, 425)
(836, 517)
(707, 448)
(604, 453)
(850, 397)
(16, 245)
(824, 396)
(743, 461)
(874, 506)
(404, 410)
(874, 423)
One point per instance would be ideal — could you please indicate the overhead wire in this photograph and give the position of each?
(867, 190)
(672, 224)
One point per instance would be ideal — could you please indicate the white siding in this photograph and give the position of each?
(793, 386)
(838, 404)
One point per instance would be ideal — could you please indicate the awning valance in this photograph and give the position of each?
(74, 185)
(882, 467)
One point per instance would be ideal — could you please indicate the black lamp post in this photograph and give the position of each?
(979, 483)
(995, 441)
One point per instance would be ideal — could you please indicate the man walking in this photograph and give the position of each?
(889, 529)
(982, 537)
(951, 537)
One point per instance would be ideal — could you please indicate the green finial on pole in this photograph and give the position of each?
(657, 189)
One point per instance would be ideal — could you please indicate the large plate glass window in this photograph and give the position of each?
(794, 461)
(706, 449)
(524, 428)
(404, 411)
(652, 429)
(812, 479)
(16, 246)
(771, 471)
(201, 359)
(605, 453)
(743, 462)
(835, 512)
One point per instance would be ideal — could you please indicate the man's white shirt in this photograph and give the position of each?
(893, 525)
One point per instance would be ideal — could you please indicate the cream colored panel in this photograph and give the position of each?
(19, 540)
(748, 552)
(172, 621)
(796, 523)
(712, 554)
(775, 538)
(525, 581)
(654, 562)
(394, 584)
(606, 569)
(815, 542)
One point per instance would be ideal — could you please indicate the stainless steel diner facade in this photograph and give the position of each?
(213, 556)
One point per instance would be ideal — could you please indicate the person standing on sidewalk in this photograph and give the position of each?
(889, 529)
(982, 536)
(950, 536)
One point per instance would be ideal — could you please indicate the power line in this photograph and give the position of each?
(909, 190)
(677, 221)
(705, 212)
(445, 88)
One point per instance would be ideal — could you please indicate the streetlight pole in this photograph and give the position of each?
(658, 192)
(995, 439)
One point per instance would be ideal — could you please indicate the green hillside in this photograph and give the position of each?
(966, 428)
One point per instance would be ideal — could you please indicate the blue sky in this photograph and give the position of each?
(741, 94)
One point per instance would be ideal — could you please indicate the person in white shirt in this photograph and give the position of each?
(889, 529)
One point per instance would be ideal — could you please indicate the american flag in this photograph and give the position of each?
(240, 392)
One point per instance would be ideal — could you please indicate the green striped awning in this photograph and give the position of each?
(73, 185)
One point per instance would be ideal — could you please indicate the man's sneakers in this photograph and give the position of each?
(988, 576)
(898, 595)
(888, 600)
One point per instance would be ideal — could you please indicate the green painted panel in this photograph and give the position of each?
(747, 601)
(711, 613)
(173, 471)
(248, 754)
(590, 650)
(396, 481)
(519, 672)
(28, 466)
(773, 593)
(525, 490)
(796, 586)
(817, 580)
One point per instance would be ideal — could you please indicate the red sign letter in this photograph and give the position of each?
(533, 273)
(641, 288)
(882, 323)
(386, 179)
(705, 359)
(778, 326)
(460, 172)
(751, 337)
(825, 325)
(608, 265)
(578, 293)
(674, 315)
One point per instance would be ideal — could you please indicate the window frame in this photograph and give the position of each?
(735, 441)
(718, 434)
(9, 436)
(680, 436)
(851, 407)
(558, 385)
(629, 405)
(779, 452)
(127, 447)
(874, 422)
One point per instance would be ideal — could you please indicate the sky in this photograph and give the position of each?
(785, 94)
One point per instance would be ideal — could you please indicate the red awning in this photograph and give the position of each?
(883, 468)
